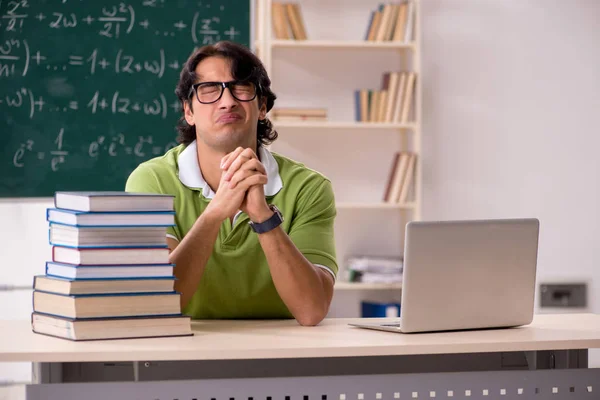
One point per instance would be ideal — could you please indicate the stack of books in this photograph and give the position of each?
(369, 269)
(299, 114)
(110, 276)
(392, 22)
(400, 178)
(287, 21)
(392, 103)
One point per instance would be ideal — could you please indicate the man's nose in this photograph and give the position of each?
(227, 100)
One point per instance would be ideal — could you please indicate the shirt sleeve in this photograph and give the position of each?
(312, 229)
(144, 180)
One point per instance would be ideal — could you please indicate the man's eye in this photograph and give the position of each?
(208, 89)
(243, 88)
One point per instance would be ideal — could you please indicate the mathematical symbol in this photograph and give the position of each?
(40, 103)
(40, 17)
(180, 25)
(73, 105)
(103, 63)
(75, 60)
(145, 23)
(38, 57)
(231, 33)
(175, 106)
(174, 65)
(136, 107)
(138, 67)
(89, 19)
(103, 104)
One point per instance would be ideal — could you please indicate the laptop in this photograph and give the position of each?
(466, 275)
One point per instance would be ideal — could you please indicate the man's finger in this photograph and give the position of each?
(242, 158)
(229, 158)
(243, 174)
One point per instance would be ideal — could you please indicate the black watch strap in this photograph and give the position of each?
(273, 222)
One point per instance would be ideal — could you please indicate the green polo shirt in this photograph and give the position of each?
(237, 281)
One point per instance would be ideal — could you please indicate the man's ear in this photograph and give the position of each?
(262, 111)
(187, 112)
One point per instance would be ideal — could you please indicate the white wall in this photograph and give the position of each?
(511, 92)
(511, 96)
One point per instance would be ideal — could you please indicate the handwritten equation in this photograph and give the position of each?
(114, 146)
(17, 59)
(117, 20)
(114, 103)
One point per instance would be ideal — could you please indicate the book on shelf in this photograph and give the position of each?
(106, 305)
(391, 22)
(103, 271)
(55, 284)
(400, 178)
(106, 236)
(112, 218)
(287, 21)
(392, 103)
(109, 276)
(78, 329)
(113, 201)
(299, 114)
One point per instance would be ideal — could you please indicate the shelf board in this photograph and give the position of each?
(340, 44)
(341, 125)
(375, 206)
(367, 286)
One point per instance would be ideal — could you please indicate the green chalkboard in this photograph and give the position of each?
(87, 87)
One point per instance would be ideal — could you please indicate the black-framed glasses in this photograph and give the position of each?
(211, 92)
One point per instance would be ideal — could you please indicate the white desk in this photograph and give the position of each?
(276, 359)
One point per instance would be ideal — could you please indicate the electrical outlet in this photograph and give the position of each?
(563, 295)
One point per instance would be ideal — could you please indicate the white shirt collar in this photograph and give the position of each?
(191, 175)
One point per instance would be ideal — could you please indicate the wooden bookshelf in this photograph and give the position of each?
(343, 125)
(341, 44)
(375, 206)
(266, 44)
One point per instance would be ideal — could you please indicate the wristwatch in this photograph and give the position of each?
(273, 222)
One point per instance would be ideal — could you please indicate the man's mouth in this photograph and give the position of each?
(229, 117)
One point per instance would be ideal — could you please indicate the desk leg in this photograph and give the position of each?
(43, 372)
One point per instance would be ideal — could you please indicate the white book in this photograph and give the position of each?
(111, 256)
(80, 218)
(107, 305)
(78, 236)
(113, 201)
(69, 271)
(410, 20)
(68, 285)
(110, 328)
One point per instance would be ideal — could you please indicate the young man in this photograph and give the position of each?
(254, 230)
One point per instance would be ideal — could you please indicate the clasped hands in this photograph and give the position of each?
(241, 187)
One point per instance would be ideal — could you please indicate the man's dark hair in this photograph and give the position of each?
(245, 66)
